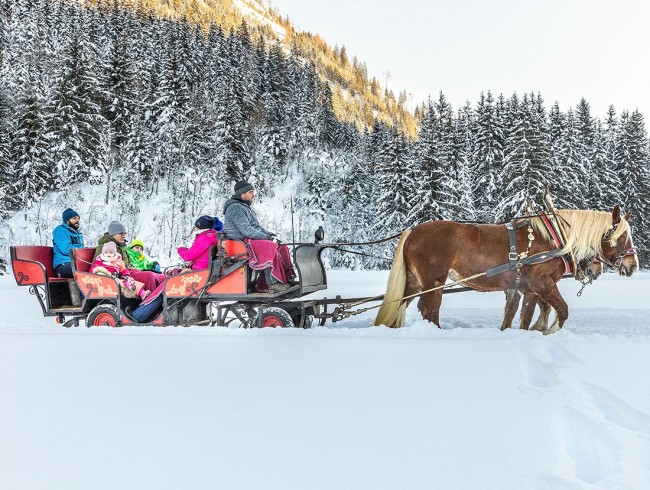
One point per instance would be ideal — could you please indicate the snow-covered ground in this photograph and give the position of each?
(344, 406)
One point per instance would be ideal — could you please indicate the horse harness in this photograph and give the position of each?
(517, 260)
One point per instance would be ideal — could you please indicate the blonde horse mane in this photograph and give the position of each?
(585, 230)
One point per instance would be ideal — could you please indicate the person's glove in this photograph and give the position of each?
(156, 267)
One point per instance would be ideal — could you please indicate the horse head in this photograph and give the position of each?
(591, 268)
(617, 245)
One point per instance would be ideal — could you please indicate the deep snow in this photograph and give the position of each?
(341, 406)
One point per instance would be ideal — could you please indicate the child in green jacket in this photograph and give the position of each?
(138, 259)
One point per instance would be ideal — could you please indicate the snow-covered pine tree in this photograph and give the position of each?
(463, 151)
(633, 158)
(586, 154)
(77, 119)
(487, 158)
(527, 156)
(120, 99)
(7, 168)
(32, 175)
(430, 192)
(394, 183)
(606, 183)
(443, 134)
(607, 170)
(327, 123)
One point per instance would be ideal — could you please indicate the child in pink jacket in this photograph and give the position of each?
(110, 262)
(198, 255)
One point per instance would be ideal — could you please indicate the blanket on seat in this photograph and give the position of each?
(266, 253)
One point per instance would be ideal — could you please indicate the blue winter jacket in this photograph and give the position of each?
(65, 238)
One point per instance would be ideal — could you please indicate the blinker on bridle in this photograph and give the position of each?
(622, 252)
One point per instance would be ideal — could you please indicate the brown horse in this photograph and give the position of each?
(432, 252)
(590, 268)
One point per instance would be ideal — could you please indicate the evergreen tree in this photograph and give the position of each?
(394, 183)
(608, 170)
(429, 172)
(527, 156)
(32, 176)
(462, 205)
(487, 158)
(77, 118)
(586, 155)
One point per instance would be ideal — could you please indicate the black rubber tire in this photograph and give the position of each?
(104, 315)
(295, 314)
(273, 317)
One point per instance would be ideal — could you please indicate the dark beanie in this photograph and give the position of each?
(68, 214)
(243, 186)
(204, 222)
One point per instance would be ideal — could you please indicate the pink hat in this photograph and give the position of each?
(109, 247)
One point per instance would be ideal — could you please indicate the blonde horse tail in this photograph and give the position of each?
(392, 312)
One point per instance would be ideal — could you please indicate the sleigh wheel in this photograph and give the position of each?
(103, 315)
(273, 317)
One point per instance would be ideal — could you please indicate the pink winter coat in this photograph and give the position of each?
(199, 253)
(114, 267)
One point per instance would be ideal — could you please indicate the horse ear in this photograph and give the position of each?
(616, 214)
(628, 216)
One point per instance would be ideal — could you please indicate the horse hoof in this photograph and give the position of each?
(551, 330)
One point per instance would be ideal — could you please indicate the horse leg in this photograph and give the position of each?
(413, 286)
(527, 311)
(544, 312)
(429, 303)
(512, 305)
(551, 295)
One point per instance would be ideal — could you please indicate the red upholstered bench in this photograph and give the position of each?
(32, 266)
(82, 259)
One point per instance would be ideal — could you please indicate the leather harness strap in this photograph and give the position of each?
(517, 261)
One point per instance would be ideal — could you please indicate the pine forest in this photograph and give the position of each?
(128, 114)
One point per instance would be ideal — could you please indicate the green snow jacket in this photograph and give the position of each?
(139, 260)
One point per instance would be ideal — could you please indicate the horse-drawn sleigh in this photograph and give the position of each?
(219, 295)
(529, 255)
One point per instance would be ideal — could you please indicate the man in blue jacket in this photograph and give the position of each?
(66, 236)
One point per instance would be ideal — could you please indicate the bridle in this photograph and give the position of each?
(615, 263)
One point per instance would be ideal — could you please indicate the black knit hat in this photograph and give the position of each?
(243, 186)
(204, 222)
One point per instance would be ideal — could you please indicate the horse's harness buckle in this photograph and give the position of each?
(513, 256)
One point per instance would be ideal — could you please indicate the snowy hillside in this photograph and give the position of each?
(255, 10)
(344, 406)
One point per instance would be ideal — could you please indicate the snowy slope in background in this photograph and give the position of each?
(342, 406)
(254, 9)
